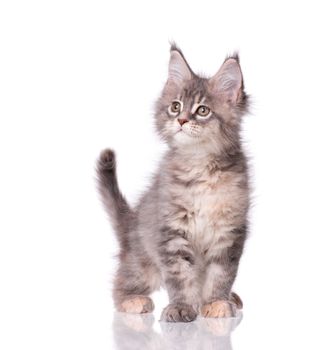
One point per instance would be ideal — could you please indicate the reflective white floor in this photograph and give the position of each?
(137, 332)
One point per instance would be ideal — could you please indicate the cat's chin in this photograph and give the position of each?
(183, 138)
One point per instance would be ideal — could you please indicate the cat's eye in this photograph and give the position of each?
(203, 111)
(175, 108)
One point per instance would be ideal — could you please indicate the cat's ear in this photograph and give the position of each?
(227, 83)
(179, 70)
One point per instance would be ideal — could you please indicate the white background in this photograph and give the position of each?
(79, 76)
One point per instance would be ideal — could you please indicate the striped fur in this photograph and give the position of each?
(188, 230)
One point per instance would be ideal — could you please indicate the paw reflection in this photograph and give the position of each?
(220, 327)
(135, 331)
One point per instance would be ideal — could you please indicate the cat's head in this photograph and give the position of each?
(198, 112)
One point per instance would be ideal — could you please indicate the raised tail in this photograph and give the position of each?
(114, 202)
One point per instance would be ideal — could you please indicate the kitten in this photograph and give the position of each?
(188, 230)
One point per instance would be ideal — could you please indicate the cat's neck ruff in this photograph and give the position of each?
(203, 157)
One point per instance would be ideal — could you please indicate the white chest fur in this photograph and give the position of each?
(207, 209)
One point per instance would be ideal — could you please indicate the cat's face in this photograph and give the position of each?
(200, 112)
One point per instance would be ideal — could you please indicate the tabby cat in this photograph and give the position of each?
(188, 230)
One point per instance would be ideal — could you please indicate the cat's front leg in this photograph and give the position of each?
(180, 274)
(221, 271)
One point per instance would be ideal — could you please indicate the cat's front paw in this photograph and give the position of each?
(178, 313)
(138, 304)
(218, 308)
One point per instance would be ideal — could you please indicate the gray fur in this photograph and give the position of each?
(188, 230)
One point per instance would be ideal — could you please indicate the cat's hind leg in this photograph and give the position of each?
(135, 280)
(235, 299)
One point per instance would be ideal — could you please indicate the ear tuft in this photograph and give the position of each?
(174, 47)
(235, 56)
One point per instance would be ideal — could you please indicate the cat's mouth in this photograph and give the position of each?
(178, 130)
(183, 132)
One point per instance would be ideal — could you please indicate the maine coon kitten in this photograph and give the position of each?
(188, 230)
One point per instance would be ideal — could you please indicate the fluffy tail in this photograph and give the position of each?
(115, 204)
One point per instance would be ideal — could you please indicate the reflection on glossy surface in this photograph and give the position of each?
(133, 331)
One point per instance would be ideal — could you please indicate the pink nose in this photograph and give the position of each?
(182, 121)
